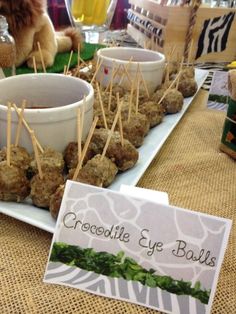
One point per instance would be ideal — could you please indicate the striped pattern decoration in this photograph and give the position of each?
(214, 34)
(145, 23)
(122, 289)
(217, 106)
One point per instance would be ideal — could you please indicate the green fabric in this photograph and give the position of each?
(61, 60)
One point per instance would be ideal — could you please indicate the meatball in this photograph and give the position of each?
(187, 87)
(124, 156)
(71, 155)
(187, 73)
(19, 157)
(14, 186)
(49, 160)
(136, 117)
(126, 99)
(105, 100)
(97, 172)
(55, 201)
(95, 147)
(143, 97)
(126, 108)
(173, 67)
(118, 89)
(42, 189)
(97, 143)
(109, 115)
(173, 102)
(153, 111)
(136, 128)
(156, 97)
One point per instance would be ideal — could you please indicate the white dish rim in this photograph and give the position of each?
(42, 219)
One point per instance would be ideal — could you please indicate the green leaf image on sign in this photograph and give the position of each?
(120, 266)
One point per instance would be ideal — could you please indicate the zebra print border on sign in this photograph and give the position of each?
(214, 69)
(123, 289)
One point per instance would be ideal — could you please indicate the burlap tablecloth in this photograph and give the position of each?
(193, 172)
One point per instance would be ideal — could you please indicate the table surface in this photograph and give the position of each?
(195, 174)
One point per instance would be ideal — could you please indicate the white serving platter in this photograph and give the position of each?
(153, 142)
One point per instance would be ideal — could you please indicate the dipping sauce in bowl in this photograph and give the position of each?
(52, 105)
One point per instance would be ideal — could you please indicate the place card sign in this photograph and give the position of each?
(136, 250)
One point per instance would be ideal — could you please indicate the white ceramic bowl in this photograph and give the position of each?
(152, 64)
(55, 125)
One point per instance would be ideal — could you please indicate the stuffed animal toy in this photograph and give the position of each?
(30, 24)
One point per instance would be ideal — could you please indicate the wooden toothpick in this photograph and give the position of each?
(27, 127)
(169, 88)
(96, 72)
(65, 69)
(69, 62)
(34, 65)
(78, 58)
(82, 61)
(36, 153)
(143, 81)
(41, 57)
(111, 86)
(82, 115)
(130, 101)
(80, 126)
(89, 137)
(101, 105)
(79, 133)
(126, 71)
(111, 132)
(9, 134)
(180, 71)
(137, 95)
(19, 126)
(120, 120)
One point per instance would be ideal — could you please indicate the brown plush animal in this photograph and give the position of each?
(29, 23)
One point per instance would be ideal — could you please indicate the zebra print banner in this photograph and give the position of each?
(145, 23)
(214, 35)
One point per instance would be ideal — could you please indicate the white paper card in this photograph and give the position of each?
(136, 250)
(151, 195)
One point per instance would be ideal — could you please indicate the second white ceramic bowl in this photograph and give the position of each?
(53, 100)
(152, 64)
